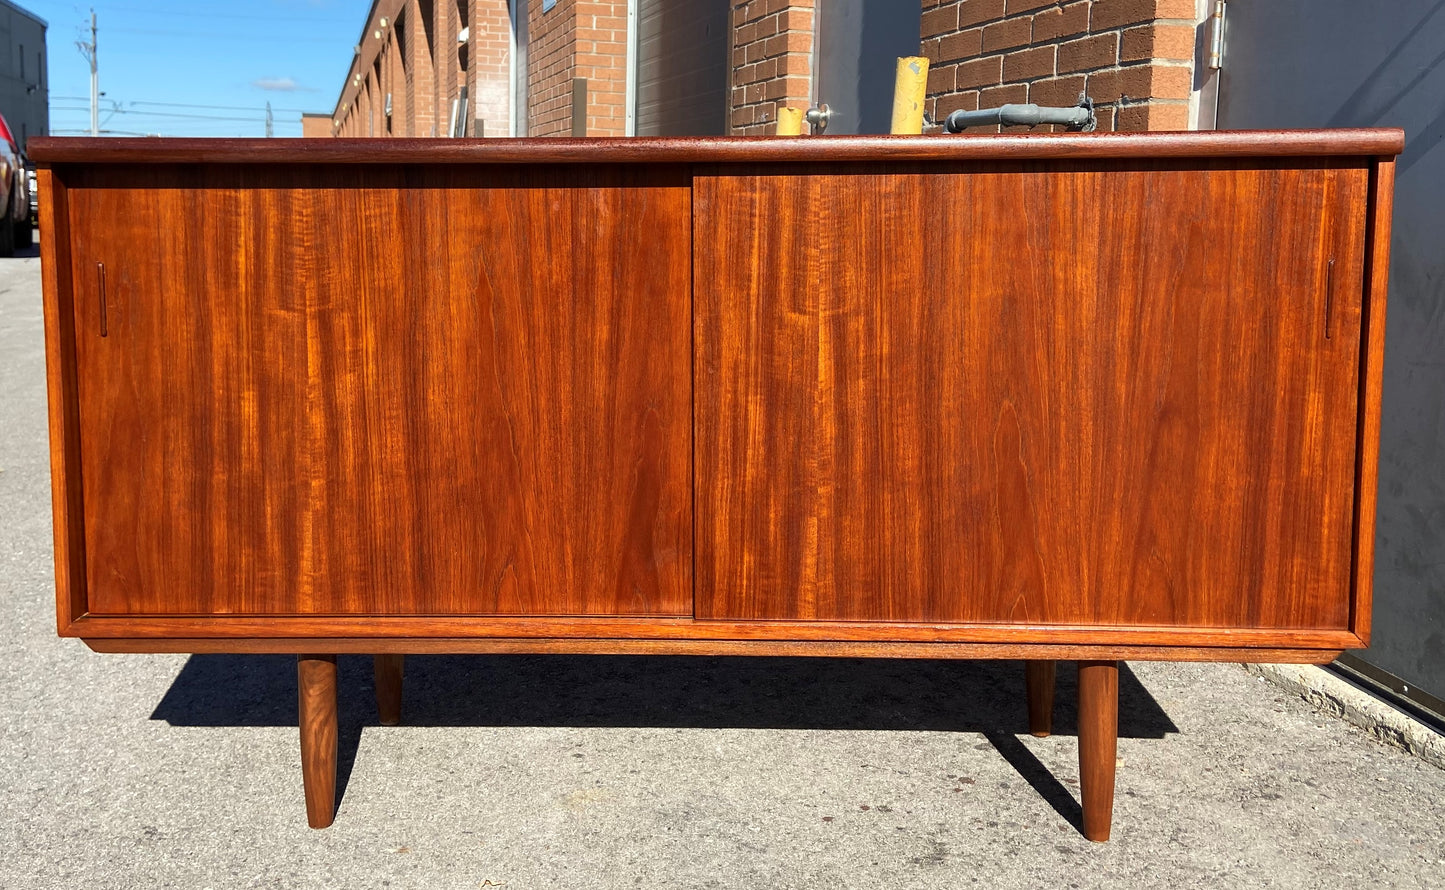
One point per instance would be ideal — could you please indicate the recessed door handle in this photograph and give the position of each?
(100, 289)
(1329, 298)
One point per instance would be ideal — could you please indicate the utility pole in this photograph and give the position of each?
(270, 122)
(88, 50)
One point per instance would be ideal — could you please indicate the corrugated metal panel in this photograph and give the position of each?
(682, 74)
(1335, 63)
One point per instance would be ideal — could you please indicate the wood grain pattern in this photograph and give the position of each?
(207, 603)
(1000, 401)
(63, 400)
(1372, 384)
(389, 152)
(1034, 397)
(499, 626)
(316, 685)
(1039, 691)
(1098, 744)
(444, 391)
(796, 648)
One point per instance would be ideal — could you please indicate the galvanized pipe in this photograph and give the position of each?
(1079, 117)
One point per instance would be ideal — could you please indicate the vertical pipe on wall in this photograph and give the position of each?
(790, 122)
(579, 107)
(629, 101)
(910, 82)
(517, 67)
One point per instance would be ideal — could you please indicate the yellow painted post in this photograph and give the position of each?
(908, 91)
(790, 122)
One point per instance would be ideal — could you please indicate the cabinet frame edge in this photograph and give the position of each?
(1380, 204)
(62, 398)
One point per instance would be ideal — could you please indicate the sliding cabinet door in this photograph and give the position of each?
(384, 391)
(1034, 393)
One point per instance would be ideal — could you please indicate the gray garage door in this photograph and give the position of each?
(682, 71)
(1344, 63)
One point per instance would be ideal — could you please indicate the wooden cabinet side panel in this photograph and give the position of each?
(420, 391)
(1045, 393)
(62, 398)
(1372, 382)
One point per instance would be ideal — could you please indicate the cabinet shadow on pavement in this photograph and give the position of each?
(698, 692)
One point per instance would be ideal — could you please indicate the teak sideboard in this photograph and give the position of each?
(1086, 397)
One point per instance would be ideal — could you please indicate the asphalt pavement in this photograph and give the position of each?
(159, 771)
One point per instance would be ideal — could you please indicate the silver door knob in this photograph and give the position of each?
(818, 116)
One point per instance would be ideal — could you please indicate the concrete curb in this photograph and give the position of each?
(1333, 694)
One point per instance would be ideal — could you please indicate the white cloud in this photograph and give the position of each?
(277, 84)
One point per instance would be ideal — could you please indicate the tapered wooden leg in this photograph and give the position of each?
(317, 680)
(388, 669)
(1098, 743)
(1039, 687)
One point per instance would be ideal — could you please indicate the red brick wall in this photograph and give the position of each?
(395, 86)
(418, 60)
(420, 54)
(489, 48)
(449, 57)
(578, 38)
(601, 45)
(772, 62)
(1133, 57)
(552, 37)
(387, 64)
(315, 126)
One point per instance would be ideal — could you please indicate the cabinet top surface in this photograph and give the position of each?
(47, 151)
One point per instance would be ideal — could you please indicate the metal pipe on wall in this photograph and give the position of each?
(1079, 117)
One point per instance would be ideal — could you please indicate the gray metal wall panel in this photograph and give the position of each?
(24, 83)
(682, 67)
(860, 42)
(1343, 63)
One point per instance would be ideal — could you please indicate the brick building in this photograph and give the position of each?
(1134, 58)
(315, 125)
(716, 67)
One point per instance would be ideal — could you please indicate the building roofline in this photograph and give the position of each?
(364, 53)
(27, 13)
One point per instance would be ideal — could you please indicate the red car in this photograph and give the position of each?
(15, 230)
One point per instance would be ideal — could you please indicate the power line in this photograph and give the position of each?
(215, 107)
(256, 108)
(102, 132)
(214, 35)
(206, 15)
(172, 114)
(194, 117)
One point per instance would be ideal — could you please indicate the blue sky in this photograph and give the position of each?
(199, 68)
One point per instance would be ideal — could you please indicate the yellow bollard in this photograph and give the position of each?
(790, 122)
(908, 91)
